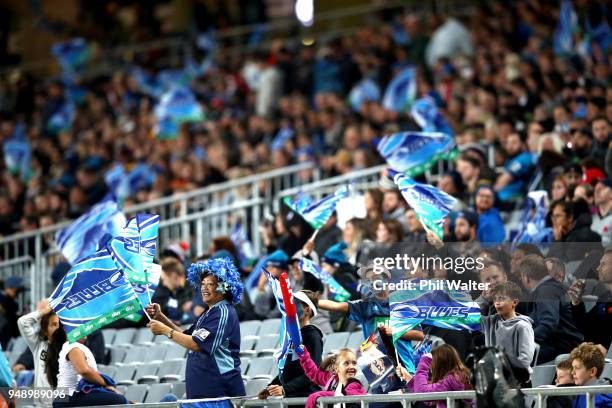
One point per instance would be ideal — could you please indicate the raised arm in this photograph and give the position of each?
(331, 306)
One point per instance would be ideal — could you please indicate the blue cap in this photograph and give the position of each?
(278, 259)
(335, 255)
(14, 282)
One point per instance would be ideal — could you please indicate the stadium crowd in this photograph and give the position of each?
(525, 118)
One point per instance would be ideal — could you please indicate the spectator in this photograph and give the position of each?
(394, 207)
(357, 236)
(558, 190)
(602, 219)
(509, 331)
(470, 170)
(570, 226)
(518, 169)
(490, 225)
(269, 86)
(600, 127)
(335, 262)
(449, 39)
(587, 366)
(373, 200)
(416, 231)
(452, 184)
(466, 225)
(328, 235)
(563, 379)
(549, 308)
(556, 269)
(172, 294)
(9, 308)
(265, 303)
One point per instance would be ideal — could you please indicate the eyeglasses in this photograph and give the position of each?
(502, 299)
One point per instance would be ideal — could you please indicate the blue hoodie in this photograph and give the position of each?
(490, 227)
(601, 400)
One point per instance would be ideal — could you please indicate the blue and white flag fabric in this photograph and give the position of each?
(133, 248)
(124, 184)
(18, 153)
(447, 308)
(282, 137)
(61, 121)
(147, 83)
(430, 205)
(533, 228)
(317, 213)
(145, 291)
(94, 293)
(401, 91)
(285, 342)
(337, 291)
(563, 39)
(180, 105)
(81, 238)
(72, 55)
(427, 115)
(413, 153)
(246, 250)
(365, 90)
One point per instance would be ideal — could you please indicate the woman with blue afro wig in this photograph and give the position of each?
(213, 341)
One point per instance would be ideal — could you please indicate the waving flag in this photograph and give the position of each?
(293, 326)
(134, 247)
(413, 153)
(365, 90)
(281, 354)
(94, 293)
(145, 291)
(533, 227)
(124, 184)
(563, 39)
(81, 238)
(148, 84)
(448, 309)
(426, 114)
(180, 105)
(169, 78)
(61, 121)
(282, 137)
(17, 152)
(338, 292)
(401, 91)
(317, 213)
(72, 55)
(430, 204)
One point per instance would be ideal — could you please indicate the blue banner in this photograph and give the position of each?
(563, 39)
(124, 184)
(427, 115)
(366, 90)
(401, 91)
(337, 291)
(282, 137)
(18, 153)
(81, 238)
(317, 213)
(72, 55)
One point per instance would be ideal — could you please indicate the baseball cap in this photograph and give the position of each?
(302, 297)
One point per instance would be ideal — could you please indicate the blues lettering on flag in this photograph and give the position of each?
(401, 91)
(413, 153)
(317, 213)
(93, 294)
(80, 239)
(337, 291)
(430, 205)
(449, 309)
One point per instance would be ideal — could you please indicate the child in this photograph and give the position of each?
(509, 331)
(340, 382)
(587, 365)
(564, 379)
(447, 373)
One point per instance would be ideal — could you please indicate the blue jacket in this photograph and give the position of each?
(491, 227)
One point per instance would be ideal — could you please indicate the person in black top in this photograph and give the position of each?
(292, 382)
(9, 309)
(172, 294)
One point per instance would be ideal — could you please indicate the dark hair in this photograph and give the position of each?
(509, 289)
(52, 358)
(530, 249)
(565, 365)
(473, 161)
(44, 324)
(395, 229)
(224, 242)
(313, 298)
(566, 206)
(532, 266)
(446, 360)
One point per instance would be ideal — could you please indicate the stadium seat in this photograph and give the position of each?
(157, 391)
(607, 372)
(535, 355)
(246, 347)
(178, 388)
(124, 337)
(172, 370)
(261, 366)
(144, 336)
(571, 267)
(255, 385)
(125, 374)
(17, 345)
(156, 352)
(109, 335)
(117, 355)
(354, 341)
(270, 326)
(244, 364)
(561, 357)
(143, 370)
(122, 389)
(136, 354)
(111, 371)
(542, 375)
(137, 392)
(175, 351)
(609, 356)
(334, 342)
(249, 328)
(267, 344)
(162, 340)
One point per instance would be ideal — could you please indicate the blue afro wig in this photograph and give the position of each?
(223, 269)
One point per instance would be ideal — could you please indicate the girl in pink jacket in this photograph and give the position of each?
(340, 382)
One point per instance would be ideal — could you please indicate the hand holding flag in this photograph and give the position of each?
(317, 213)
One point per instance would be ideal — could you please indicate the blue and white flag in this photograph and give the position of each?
(166, 129)
(180, 78)
(61, 121)
(533, 228)
(427, 115)
(317, 213)
(413, 153)
(72, 55)
(145, 291)
(401, 91)
(563, 39)
(337, 291)
(447, 308)
(133, 248)
(180, 105)
(365, 90)
(246, 250)
(281, 354)
(18, 153)
(147, 83)
(124, 184)
(430, 205)
(93, 294)
(81, 238)
(282, 137)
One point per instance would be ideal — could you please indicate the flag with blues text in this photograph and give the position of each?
(82, 237)
(430, 205)
(413, 153)
(401, 91)
(317, 213)
(337, 291)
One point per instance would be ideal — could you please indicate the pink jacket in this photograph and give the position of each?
(326, 380)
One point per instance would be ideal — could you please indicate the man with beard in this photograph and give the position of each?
(466, 224)
(512, 183)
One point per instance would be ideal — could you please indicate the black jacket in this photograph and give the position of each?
(294, 381)
(580, 232)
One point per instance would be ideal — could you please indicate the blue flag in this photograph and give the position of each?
(72, 55)
(282, 137)
(430, 205)
(124, 184)
(180, 105)
(563, 39)
(145, 291)
(533, 228)
(285, 342)
(365, 90)
(413, 153)
(94, 293)
(61, 121)
(148, 84)
(17, 152)
(317, 213)
(81, 238)
(401, 91)
(337, 291)
(427, 115)
(448, 308)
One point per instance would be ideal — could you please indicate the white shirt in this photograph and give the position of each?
(67, 377)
